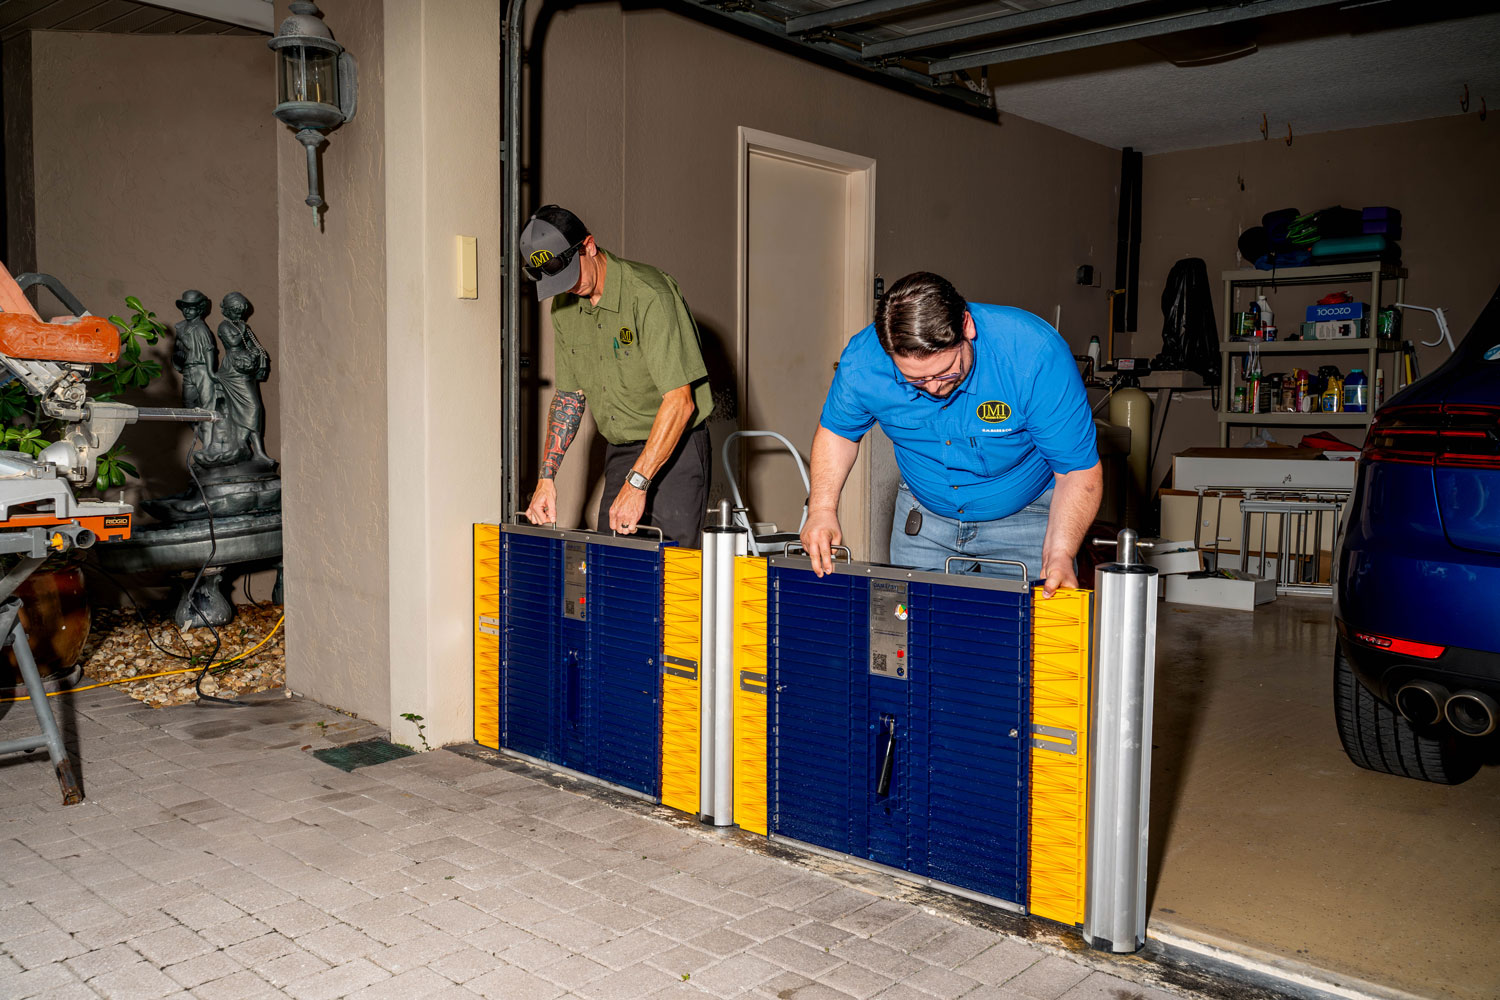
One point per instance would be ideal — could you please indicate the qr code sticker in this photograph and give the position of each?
(879, 662)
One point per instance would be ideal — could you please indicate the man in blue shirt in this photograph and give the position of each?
(992, 430)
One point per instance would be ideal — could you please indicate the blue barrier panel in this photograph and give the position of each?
(625, 642)
(530, 581)
(897, 720)
(579, 672)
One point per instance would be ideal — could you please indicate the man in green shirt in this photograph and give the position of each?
(627, 344)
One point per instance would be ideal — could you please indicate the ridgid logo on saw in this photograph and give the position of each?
(993, 411)
(540, 257)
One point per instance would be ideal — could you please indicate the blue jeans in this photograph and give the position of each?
(1018, 537)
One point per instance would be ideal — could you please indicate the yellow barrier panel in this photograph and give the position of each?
(682, 637)
(750, 631)
(1061, 637)
(487, 635)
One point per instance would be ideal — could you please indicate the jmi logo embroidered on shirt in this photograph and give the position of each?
(540, 257)
(627, 336)
(993, 411)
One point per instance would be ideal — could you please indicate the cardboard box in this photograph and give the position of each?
(1236, 468)
(1174, 557)
(1335, 311)
(1228, 589)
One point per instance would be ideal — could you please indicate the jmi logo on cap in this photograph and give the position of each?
(540, 257)
(993, 411)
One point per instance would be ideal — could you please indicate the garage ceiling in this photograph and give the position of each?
(187, 17)
(1159, 75)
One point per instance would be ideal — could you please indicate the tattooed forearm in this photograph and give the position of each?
(562, 424)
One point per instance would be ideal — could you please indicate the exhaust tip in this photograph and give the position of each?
(1421, 702)
(1472, 713)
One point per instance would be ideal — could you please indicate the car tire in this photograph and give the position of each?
(1376, 737)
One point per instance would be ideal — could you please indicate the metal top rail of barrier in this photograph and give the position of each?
(881, 572)
(587, 536)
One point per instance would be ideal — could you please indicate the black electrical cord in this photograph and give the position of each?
(136, 607)
(213, 548)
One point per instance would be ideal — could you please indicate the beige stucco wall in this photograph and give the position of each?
(640, 136)
(333, 365)
(443, 352)
(1440, 173)
(155, 173)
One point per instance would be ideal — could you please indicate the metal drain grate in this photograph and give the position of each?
(362, 754)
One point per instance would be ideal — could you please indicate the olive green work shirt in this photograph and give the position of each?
(624, 354)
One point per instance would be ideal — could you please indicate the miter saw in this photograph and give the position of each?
(39, 514)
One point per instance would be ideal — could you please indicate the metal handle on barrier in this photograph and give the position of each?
(1125, 546)
(789, 546)
(523, 519)
(887, 757)
(1025, 571)
(575, 685)
(660, 535)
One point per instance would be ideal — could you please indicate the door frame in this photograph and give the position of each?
(859, 281)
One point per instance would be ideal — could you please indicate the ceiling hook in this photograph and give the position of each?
(1288, 133)
(1463, 102)
(1265, 128)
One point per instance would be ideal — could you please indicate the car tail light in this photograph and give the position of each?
(1450, 434)
(1406, 647)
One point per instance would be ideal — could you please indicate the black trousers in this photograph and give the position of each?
(678, 496)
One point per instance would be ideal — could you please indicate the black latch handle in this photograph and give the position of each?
(887, 757)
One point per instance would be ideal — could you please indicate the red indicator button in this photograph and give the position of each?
(900, 653)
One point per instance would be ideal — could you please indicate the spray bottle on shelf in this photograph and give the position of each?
(1264, 309)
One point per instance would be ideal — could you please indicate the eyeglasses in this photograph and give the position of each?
(545, 263)
(948, 377)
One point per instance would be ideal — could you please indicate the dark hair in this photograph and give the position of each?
(921, 315)
(570, 225)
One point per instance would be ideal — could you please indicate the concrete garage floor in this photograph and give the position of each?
(1263, 833)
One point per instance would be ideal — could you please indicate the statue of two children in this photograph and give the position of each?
(230, 386)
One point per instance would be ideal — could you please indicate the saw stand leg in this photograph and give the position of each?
(51, 737)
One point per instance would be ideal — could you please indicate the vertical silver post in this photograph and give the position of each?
(1123, 688)
(722, 541)
(708, 637)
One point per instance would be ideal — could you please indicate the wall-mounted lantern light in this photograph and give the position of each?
(316, 85)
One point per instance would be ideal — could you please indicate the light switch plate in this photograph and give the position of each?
(468, 267)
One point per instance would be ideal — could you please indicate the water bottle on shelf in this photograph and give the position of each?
(1356, 391)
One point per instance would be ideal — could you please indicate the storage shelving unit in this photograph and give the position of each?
(1374, 273)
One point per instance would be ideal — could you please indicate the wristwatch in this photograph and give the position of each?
(637, 480)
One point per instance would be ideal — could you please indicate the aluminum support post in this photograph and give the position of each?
(722, 541)
(1122, 690)
(12, 634)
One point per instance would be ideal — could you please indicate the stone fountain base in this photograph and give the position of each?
(185, 546)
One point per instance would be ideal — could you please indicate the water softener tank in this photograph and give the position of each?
(1130, 407)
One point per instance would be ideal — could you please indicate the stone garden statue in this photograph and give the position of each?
(238, 436)
(236, 481)
(196, 355)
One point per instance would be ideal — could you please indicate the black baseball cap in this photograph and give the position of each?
(549, 249)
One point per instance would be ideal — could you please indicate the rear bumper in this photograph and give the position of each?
(1383, 673)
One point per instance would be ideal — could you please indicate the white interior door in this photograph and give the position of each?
(808, 270)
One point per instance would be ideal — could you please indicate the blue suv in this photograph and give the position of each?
(1416, 679)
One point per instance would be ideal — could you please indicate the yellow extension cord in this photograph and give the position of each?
(164, 673)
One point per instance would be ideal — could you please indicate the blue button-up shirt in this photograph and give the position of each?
(989, 448)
